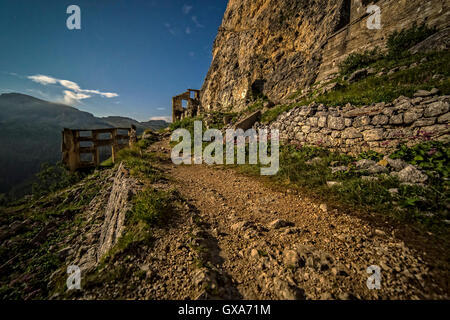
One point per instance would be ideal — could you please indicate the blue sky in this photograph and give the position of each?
(129, 58)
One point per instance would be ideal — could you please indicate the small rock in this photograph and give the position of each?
(243, 225)
(393, 191)
(285, 291)
(377, 169)
(365, 164)
(369, 178)
(435, 91)
(338, 169)
(396, 164)
(334, 184)
(292, 259)
(358, 75)
(254, 254)
(410, 175)
(323, 207)
(277, 224)
(422, 93)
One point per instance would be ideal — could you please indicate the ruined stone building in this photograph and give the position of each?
(192, 109)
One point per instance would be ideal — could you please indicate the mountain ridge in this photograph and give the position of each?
(31, 135)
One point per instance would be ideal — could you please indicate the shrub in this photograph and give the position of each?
(357, 61)
(370, 155)
(432, 156)
(272, 114)
(186, 123)
(52, 178)
(399, 42)
(151, 207)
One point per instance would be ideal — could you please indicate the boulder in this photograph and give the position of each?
(358, 75)
(410, 174)
(364, 164)
(277, 224)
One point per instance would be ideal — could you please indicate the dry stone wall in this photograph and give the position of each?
(380, 127)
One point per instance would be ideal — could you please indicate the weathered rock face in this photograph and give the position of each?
(276, 47)
(380, 127)
(267, 46)
(123, 189)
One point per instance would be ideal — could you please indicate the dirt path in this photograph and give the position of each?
(283, 245)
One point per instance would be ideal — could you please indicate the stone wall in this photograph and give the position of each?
(395, 15)
(380, 127)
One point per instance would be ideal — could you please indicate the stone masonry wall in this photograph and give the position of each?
(380, 127)
(395, 15)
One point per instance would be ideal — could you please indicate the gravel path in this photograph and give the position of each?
(283, 245)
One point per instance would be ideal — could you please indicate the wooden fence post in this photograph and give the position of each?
(115, 145)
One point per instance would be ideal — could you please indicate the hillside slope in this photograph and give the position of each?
(31, 134)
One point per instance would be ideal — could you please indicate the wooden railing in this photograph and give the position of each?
(72, 151)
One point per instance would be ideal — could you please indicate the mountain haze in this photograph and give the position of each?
(31, 134)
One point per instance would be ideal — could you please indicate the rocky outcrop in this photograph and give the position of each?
(124, 188)
(277, 47)
(105, 218)
(380, 127)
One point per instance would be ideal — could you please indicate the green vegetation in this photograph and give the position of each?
(370, 155)
(356, 61)
(432, 157)
(400, 41)
(151, 208)
(186, 123)
(308, 168)
(45, 224)
(272, 114)
(384, 88)
(140, 164)
(52, 178)
(411, 73)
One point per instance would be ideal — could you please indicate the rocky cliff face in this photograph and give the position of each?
(269, 46)
(276, 47)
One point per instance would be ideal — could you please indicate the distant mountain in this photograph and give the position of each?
(31, 134)
(140, 126)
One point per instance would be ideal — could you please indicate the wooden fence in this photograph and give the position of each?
(72, 150)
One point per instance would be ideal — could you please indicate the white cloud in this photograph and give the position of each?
(72, 97)
(160, 109)
(165, 118)
(186, 9)
(39, 78)
(197, 24)
(76, 94)
(70, 85)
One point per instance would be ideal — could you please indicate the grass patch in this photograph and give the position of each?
(400, 41)
(308, 168)
(387, 88)
(356, 61)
